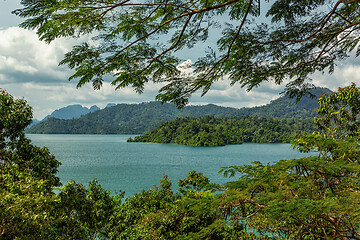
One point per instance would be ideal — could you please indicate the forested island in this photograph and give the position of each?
(212, 131)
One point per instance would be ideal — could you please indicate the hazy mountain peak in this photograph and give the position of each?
(110, 105)
(71, 111)
(94, 108)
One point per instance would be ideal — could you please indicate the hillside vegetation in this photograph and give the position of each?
(140, 118)
(211, 131)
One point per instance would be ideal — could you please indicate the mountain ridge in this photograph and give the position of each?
(139, 118)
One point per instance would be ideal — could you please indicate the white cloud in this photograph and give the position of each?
(234, 96)
(7, 62)
(23, 57)
(348, 74)
(222, 93)
(345, 73)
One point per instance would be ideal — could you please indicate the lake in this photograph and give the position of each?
(131, 167)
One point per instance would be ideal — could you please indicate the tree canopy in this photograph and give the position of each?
(29, 208)
(136, 41)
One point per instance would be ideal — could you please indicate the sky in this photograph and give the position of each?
(29, 69)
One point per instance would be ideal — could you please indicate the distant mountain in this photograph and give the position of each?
(71, 111)
(33, 123)
(110, 105)
(285, 107)
(139, 118)
(94, 108)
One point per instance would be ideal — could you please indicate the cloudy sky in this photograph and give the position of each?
(29, 68)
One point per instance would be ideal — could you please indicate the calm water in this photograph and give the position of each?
(130, 167)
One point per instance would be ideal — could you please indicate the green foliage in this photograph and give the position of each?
(340, 112)
(27, 174)
(81, 213)
(25, 202)
(195, 181)
(139, 118)
(15, 148)
(159, 213)
(314, 197)
(136, 41)
(29, 209)
(211, 131)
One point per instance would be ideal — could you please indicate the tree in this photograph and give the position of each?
(16, 149)
(136, 41)
(159, 213)
(27, 173)
(29, 209)
(340, 112)
(315, 197)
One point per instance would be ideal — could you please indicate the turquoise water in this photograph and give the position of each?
(131, 167)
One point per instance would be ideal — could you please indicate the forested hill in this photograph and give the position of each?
(139, 118)
(285, 107)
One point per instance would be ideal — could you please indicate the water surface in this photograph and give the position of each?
(131, 167)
